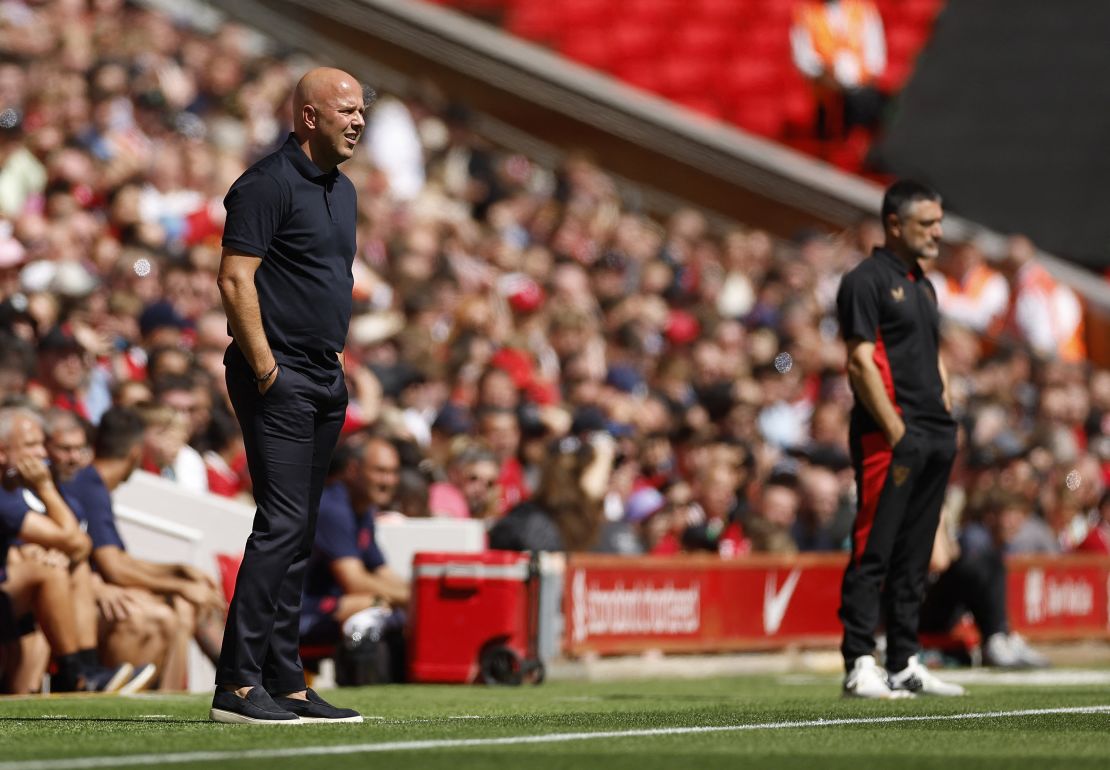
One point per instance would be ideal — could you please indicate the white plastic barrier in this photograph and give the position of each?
(159, 521)
(162, 522)
(399, 539)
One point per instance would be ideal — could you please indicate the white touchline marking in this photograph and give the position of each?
(84, 763)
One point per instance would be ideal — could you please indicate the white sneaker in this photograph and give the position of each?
(868, 680)
(1025, 654)
(997, 652)
(139, 680)
(917, 679)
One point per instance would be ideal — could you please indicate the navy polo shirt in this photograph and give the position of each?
(13, 509)
(894, 306)
(340, 534)
(300, 221)
(15, 506)
(92, 504)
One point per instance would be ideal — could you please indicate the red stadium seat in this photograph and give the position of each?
(644, 74)
(533, 20)
(590, 47)
(681, 76)
(760, 115)
(703, 105)
(747, 77)
(636, 41)
(576, 15)
(703, 41)
(722, 12)
(228, 565)
(664, 12)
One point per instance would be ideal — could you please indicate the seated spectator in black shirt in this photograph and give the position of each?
(194, 598)
(972, 578)
(32, 588)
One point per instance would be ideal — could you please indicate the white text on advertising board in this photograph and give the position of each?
(639, 609)
(1048, 597)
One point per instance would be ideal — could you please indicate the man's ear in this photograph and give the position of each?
(308, 115)
(894, 225)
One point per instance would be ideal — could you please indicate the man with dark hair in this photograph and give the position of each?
(903, 442)
(285, 281)
(132, 626)
(193, 597)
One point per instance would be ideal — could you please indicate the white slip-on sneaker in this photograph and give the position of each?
(917, 679)
(868, 680)
(139, 680)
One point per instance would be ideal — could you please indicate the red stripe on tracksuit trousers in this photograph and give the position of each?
(900, 491)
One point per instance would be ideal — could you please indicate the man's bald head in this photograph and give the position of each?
(328, 107)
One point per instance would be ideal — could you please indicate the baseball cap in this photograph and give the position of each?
(643, 503)
(58, 339)
(522, 292)
(681, 327)
(453, 420)
(625, 379)
(159, 315)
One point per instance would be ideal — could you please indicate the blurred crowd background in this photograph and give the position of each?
(527, 340)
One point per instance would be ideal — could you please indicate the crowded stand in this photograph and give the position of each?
(527, 349)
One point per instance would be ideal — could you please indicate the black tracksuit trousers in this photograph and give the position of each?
(900, 493)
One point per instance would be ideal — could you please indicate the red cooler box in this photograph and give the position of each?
(474, 618)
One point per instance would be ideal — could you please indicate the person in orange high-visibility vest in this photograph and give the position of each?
(839, 46)
(969, 292)
(1042, 313)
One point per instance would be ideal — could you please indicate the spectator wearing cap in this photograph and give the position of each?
(64, 376)
(640, 511)
(162, 326)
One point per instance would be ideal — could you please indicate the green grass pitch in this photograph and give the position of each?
(647, 724)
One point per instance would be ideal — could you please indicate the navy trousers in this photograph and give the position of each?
(290, 434)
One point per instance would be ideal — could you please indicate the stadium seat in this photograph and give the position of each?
(590, 47)
(704, 41)
(760, 115)
(661, 12)
(685, 77)
(636, 42)
(532, 20)
(577, 15)
(228, 566)
(703, 105)
(725, 13)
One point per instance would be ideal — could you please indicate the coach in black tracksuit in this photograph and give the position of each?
(285, 279)
(903, 438)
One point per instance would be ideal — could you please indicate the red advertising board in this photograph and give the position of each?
(702, 603)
